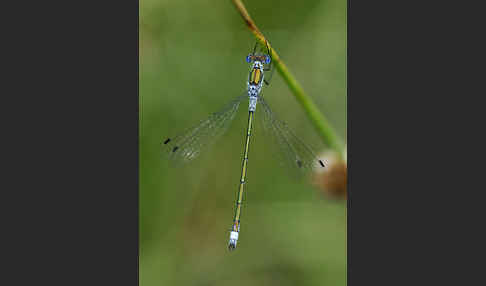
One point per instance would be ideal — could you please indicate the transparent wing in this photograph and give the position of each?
(296, 153)
(189, 144)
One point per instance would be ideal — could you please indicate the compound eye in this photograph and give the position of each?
(267, 59)
(248, 59)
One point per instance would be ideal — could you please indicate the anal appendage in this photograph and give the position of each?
(233, 240)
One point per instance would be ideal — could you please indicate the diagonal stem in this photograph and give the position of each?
(323, 127)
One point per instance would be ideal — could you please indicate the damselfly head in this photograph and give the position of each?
(261, 58)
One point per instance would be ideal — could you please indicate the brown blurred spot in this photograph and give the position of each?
(332, 181)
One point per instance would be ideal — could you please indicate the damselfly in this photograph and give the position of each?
(188, 145)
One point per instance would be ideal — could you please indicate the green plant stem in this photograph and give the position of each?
(323, 127)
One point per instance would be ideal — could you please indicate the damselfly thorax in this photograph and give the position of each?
(255, 83)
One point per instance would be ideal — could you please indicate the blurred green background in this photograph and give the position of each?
(192, 62)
